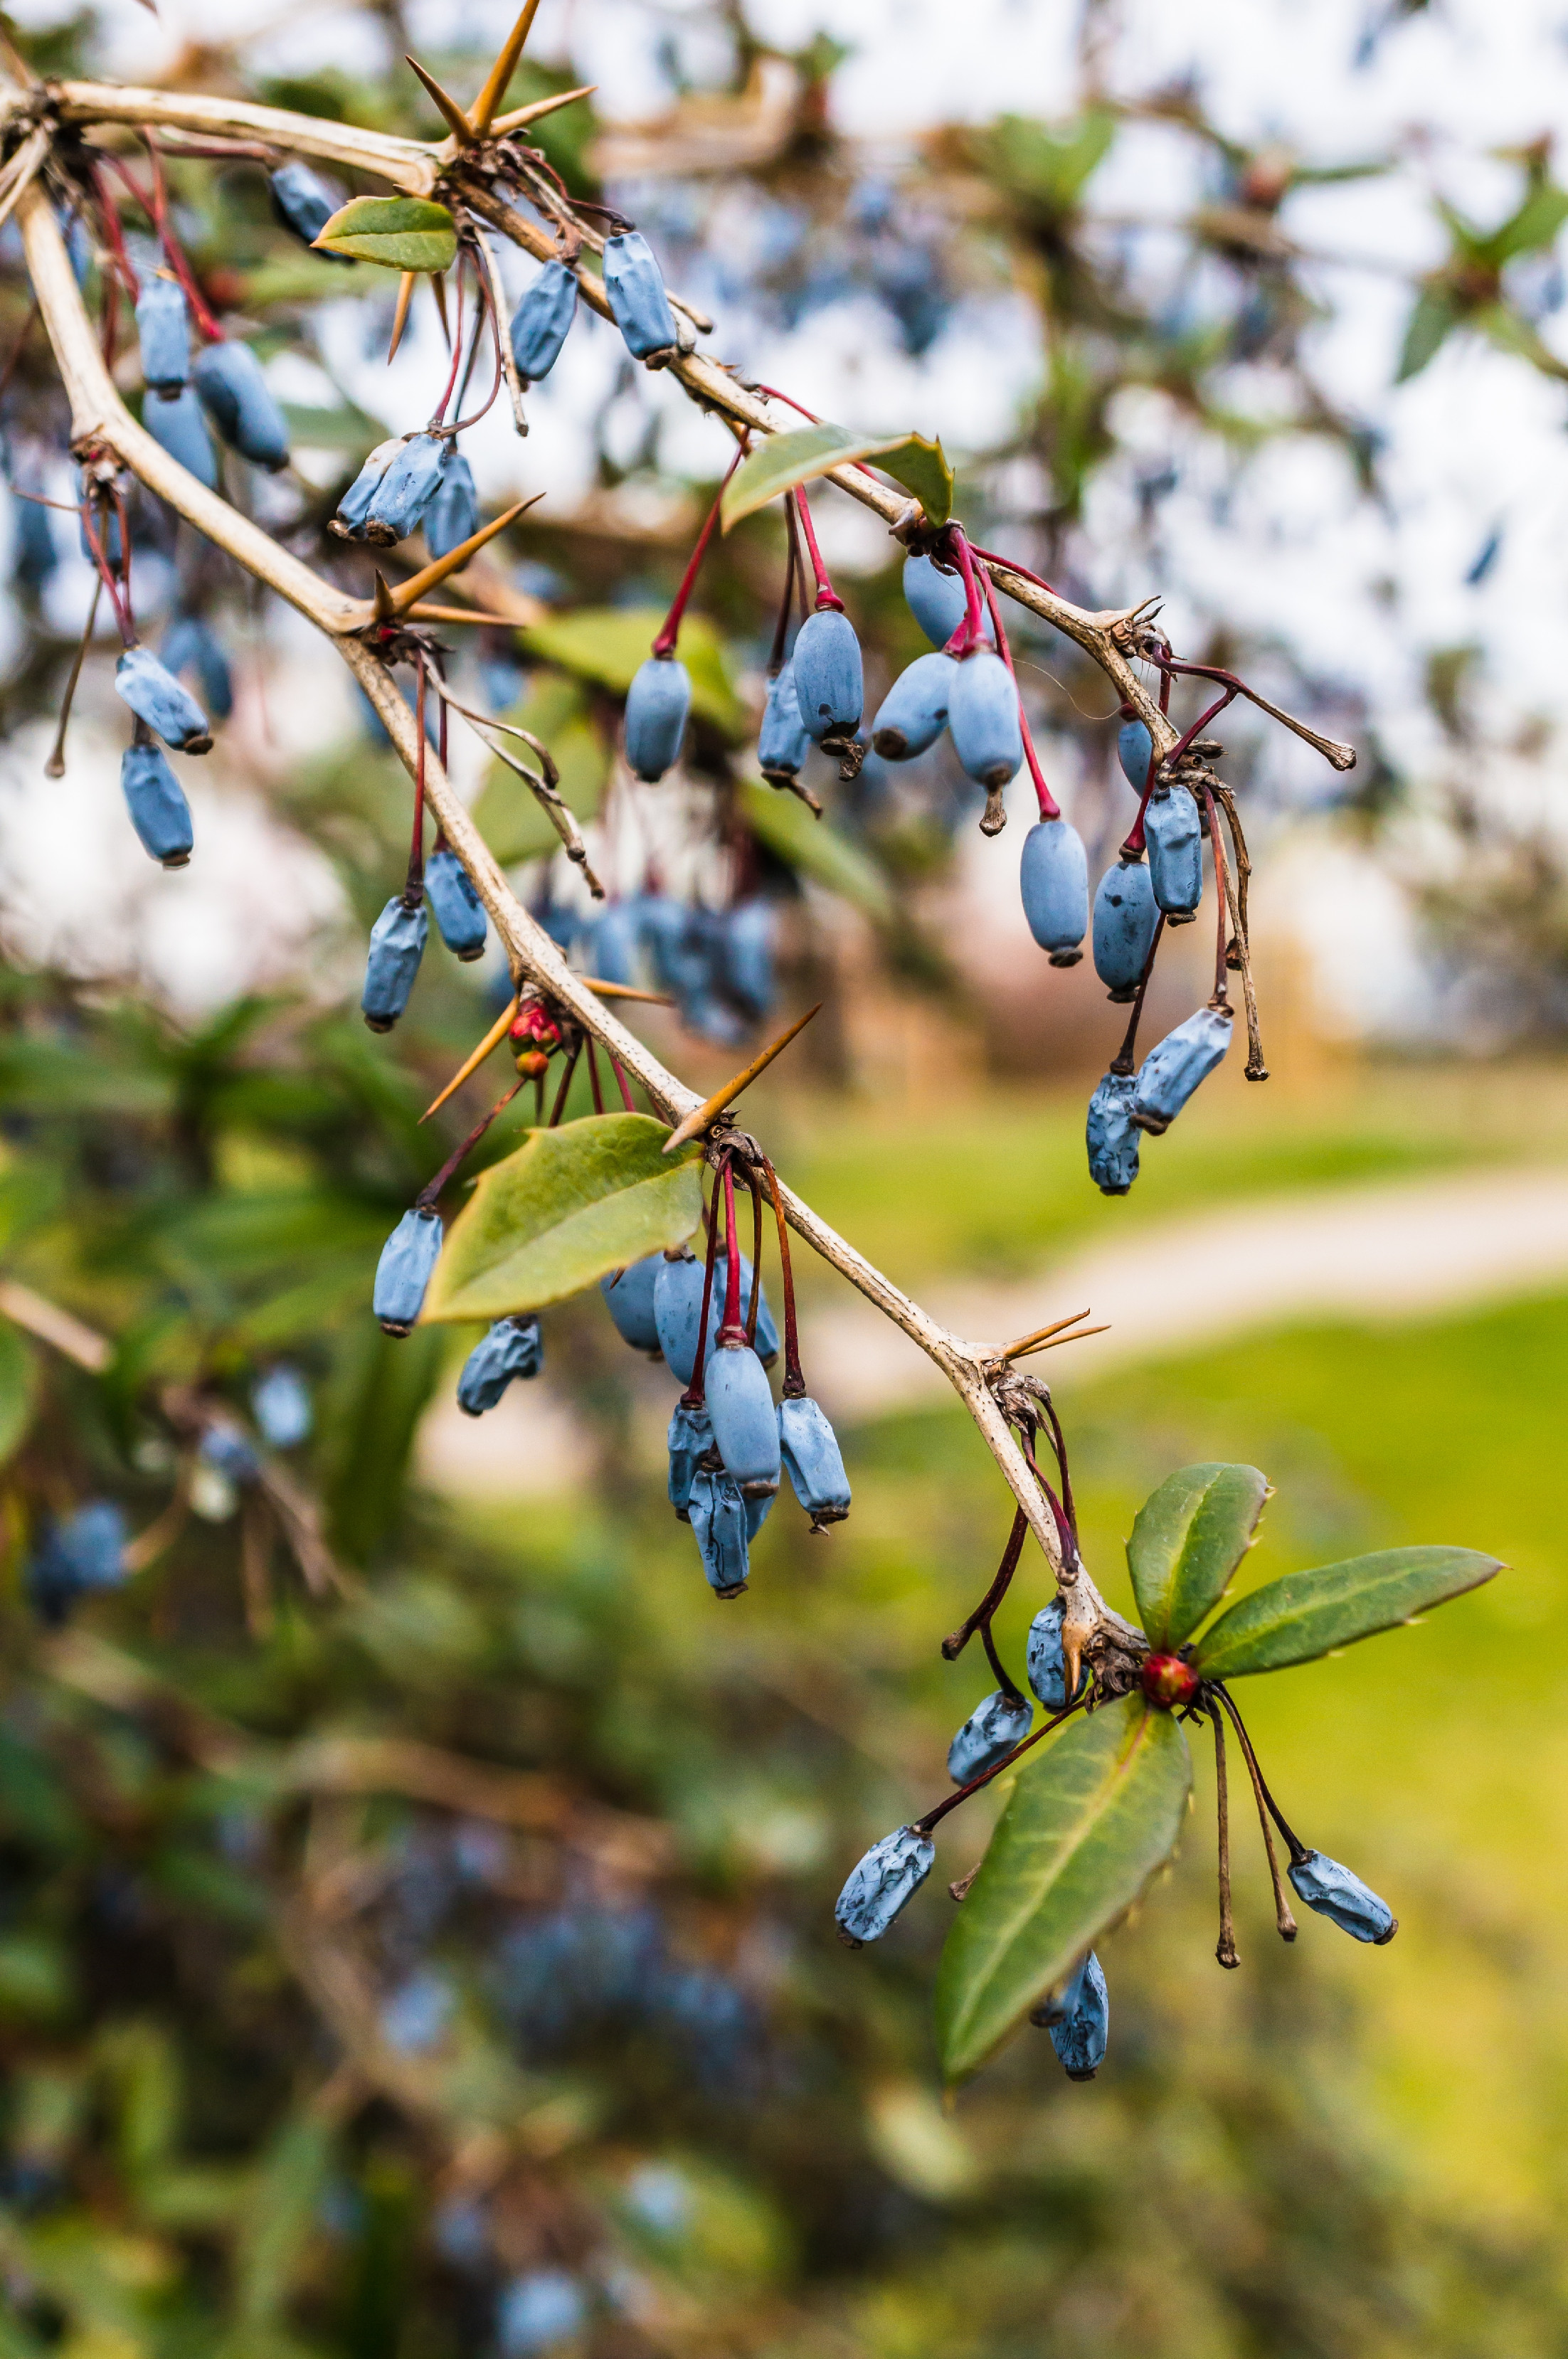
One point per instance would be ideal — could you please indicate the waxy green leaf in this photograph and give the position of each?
(1309, 1613)
(799, 456)
(569, 1205)
(1187, 1540)
(1087, 1825)
(400, 233)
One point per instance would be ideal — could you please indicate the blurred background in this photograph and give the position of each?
(415, 1890)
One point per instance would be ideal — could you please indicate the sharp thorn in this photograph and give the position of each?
(400, 317)
(471, 1064)
(481, 114)
(406, 593)
(457, 122)
(700, 1119)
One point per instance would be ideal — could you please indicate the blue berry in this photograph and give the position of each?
(890, 1874)
(1175, 840)
(983, 716)
(182, 430)
(85, 1551)
(1044, 1660)
(281, 1404)
(678, 1306)
(745, 1422)
(230, 382)
(512, 1348)
(34, 556)
(1053, 876)
(688, 1439)
(453, 515)
(989, 1734)
(717, 1515)
(230, 1453)
(829, 684)
(354, 508)
(406, 490)
(629, 1296)
(397, 946)
(458, 910)
(302, 204)
(163, 329)
(155, 697)
(1134, 747)
(1338, 1894)
(784, 740)
(1126, 915)
(191, 644)
(407, 1265)
(657, 704)
(1113, 1135)
(156, 801)
(1079, 2021)
(747, 953)
(812, 1459)
(1170, 1073)
(638, 304)
(913, 713)
(542, 321)
(937, 599)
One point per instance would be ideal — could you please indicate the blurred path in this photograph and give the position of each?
(1385, 1252)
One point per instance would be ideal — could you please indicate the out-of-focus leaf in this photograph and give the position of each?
(815, 847)
(37, 1978)
(1512, 333)
(507, 814)
(1187, 1540)
(370, 1413)
(1309, 1613)
(1435, 314)
(808, 451)
(18, 1386)
(568, 1205)
(280, 2218)
(1084, 1828)
(1042, 171)
(399, 233)
(608, 644)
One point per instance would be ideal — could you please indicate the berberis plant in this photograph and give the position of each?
(616, 1199)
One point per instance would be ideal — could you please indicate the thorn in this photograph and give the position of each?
(482, 113)
(625, 991)
(438, 289)
(423, 613)
(404, 594)
(715, 1105)
(1030, 1343)
(385, 611)
(525, 114)
(492, 1038)
(456, 121)
(400, 317)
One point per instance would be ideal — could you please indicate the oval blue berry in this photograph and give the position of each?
(830, 686)
(748, 933)
(159, 812)
(1053, 876)
(1342, 1897)
(457, 908)
(542, 321)
(1112, 1135)
(405, 1269)
(191, 644)
(155, 697)
(1175, 839)
(657, 704)
(937, 599)
(229, 379)
(745, 1422)
(1044, 1660)
(302, 204)
(688, 1441)
(716, 1512)
(1126, 915)
(983, 716)
(163, 330)
(407, 489)
(181, 428)
(784, 740)
(988, 1736)
(354, 508)
(638, 304)
(397, 946)
(812, 1459)
(281, 1404)
(1080, 2021)
(913, 713)
(629, 1293)
(511, 1349)
(1134, 747)
(1170, 1073)
(883, 1882)
(678, 1306)
(453, 515)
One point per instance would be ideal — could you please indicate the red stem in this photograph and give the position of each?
(414, 882)
(427, 1198)
(594, 1077)
(1048, 806)
(693, 1394)
(456, 349)
(732, 1258)
(90, 528)
(969, 634)
(1221, 997)
(794, 1381)
(826, 594)
(1133, 846)
(110, 221)
(755, 1305)
(615, 1068)
(558, 1108)
(665, 643)
(1013, 566)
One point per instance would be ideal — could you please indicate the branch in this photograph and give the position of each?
(99, 415)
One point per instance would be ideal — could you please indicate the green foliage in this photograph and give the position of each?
(507, 814)
(1087, 1825)
(1189, 1537)
(781, 462)
(399, 233)
(570, 1206)
(607, 645)
(1310, 1613)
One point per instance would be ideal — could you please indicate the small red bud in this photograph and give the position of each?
(531, 1063)
(1167, 1680)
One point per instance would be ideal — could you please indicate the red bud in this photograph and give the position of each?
(1167, 1680)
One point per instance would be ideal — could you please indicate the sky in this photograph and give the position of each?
(1473, 448)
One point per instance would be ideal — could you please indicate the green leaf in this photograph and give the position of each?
(400, 233)
(782, 821)
(507, 814)
(18, 1385)
(1085, 1827)
(1435, 313)
(569, 1205)
(608, 643)
(799, 456)
(1308, 1613)
(1187, 1540)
